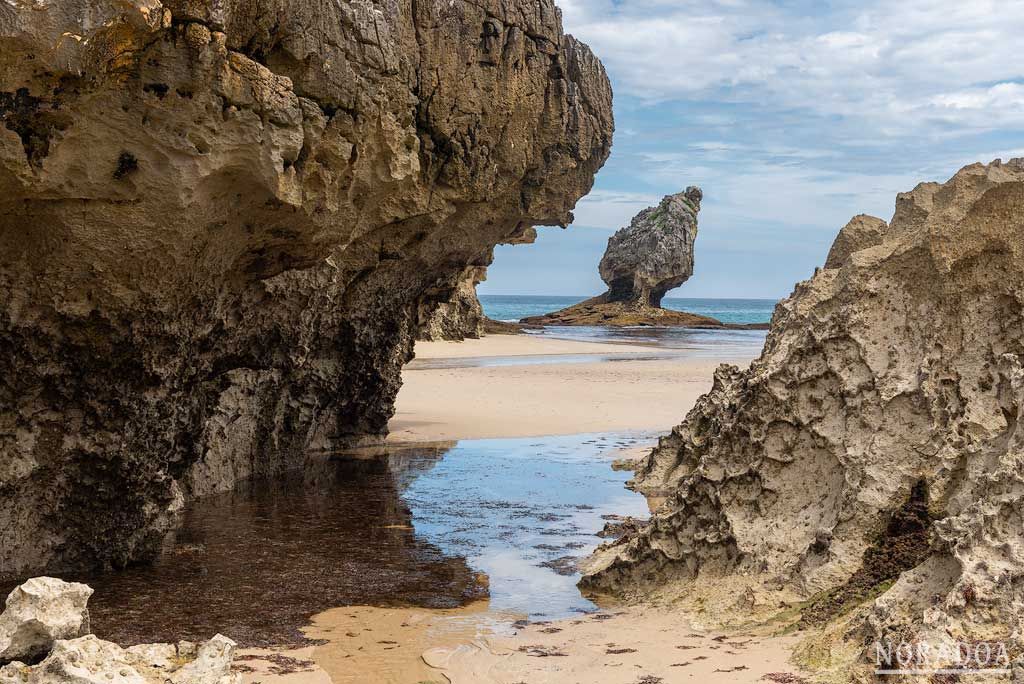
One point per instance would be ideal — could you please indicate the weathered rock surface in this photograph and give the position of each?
(654, 253)
(71, 655)
(217, 222)
(89, 660)
(879, 433)
(860, 233)
(455, 314)
(38, 613)
(460, 315)
(86, 660)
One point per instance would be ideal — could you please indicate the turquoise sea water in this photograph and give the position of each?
(709, 343)
(515, 307)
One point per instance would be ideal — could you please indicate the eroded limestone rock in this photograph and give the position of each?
(86, 660)
(38, 613)
(654, 253)
(643, 261)
(211, 664)
(460, 315)
(90, 660)
(455, 313)
(217, 222)
(877, 438)
(45, 628)
(860, 233)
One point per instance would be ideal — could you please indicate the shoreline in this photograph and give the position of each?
(627, 392)
(472, 645)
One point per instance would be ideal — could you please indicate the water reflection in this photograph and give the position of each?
(411, 529)
(534, 360)
(258, 562)
(523, 511)
(696, 343)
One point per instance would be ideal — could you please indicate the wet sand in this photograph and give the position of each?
(513, 386)
(508, 386)
(641, 645)
(474, 646)
(379, 645)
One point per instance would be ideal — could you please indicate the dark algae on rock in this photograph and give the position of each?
(218, 221)
(902, 545)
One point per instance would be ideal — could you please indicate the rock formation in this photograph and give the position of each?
(455, 314)
(460, 315)
(860, 233)
(877, 439)
(643, 261)
(217, 220)
(654, 254)
(38, 613)
(45, 639)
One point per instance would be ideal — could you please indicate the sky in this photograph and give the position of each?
(792, 116)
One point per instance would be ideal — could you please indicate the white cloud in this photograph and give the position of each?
(1005, 94)
(873, 60)
(611, 210)
(795, 116)
(815, 199)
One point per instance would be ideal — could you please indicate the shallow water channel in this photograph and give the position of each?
(432, 525)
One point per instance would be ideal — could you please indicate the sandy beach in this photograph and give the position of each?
(493, 388)
(547, 387)
(518, 342)
(643, 645)
(466, 646)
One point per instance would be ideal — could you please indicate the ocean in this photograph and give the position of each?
(515, 307)
(710, 343)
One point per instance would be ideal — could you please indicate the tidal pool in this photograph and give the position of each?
(418, 527)
(523, 511)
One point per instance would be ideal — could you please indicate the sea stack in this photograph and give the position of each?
(643, 261)
(654, 253)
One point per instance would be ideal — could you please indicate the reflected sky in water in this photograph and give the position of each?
(411, 529)
(695, 343)
(510, 505)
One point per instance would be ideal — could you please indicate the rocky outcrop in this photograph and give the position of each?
(599, 311)
(46, 628)
(38, 613)
(643, 261)
(460, 315)
(90, 660)
(217, 222)
(876, 440)
(654, 254)
(861, 232)
(455, 314)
